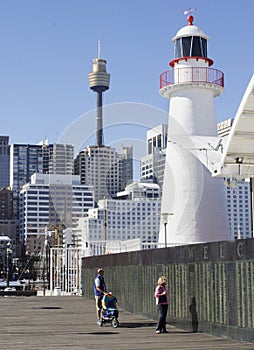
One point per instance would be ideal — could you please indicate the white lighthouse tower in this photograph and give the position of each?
(192, 201)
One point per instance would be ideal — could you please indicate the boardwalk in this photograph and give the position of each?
(54, 323)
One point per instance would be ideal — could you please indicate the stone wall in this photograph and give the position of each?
(213, 281)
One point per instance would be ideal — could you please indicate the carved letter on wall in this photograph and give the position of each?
(239, 249)
(221, 254)
(205, 250)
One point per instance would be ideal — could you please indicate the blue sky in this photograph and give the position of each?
(47, 49)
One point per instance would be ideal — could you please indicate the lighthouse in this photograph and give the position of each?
(192, 200)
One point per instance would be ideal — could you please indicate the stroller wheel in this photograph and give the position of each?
(115, 323)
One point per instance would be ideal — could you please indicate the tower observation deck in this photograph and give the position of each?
(99, 82)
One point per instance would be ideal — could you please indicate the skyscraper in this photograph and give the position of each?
(127, 165)
(100, 167)
(6, 207)
(4, 161)
(8, 225)
(27, 159)
(58, 159)
(153, 163)
(49, 202)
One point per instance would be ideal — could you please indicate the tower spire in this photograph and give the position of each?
(99, 82)
(99, 49)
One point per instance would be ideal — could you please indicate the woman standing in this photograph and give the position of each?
(161, 295)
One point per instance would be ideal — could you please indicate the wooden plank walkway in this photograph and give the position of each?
(64, 322)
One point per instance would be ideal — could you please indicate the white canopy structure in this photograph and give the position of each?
(232, 156)
(238, 156)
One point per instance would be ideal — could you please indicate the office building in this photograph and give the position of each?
(27, 159)
(239, 208)
(8, 225)
(134, 215)
(102, 168)
(6, 203)
(127, 165)
(58, 159)
(153, 163)
(51, 203)
(4, 161)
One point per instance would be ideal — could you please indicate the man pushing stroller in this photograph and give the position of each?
(105, 302)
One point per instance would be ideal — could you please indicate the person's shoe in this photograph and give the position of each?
(164, 331)
(157, 332)
(99, 323)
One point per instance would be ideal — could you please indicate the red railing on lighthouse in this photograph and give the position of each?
(191, 75)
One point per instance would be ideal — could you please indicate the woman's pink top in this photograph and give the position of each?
(158, 291)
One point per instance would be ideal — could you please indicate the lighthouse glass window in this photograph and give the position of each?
(191, 46)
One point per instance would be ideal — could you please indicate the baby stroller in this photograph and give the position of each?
(109, 310)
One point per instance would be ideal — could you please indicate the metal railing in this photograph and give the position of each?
(191, 75)
(65, 264)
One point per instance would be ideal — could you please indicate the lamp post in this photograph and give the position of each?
(8, 258)
(46, 262)
(105, 225)
(69, 269)
(164, 217)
